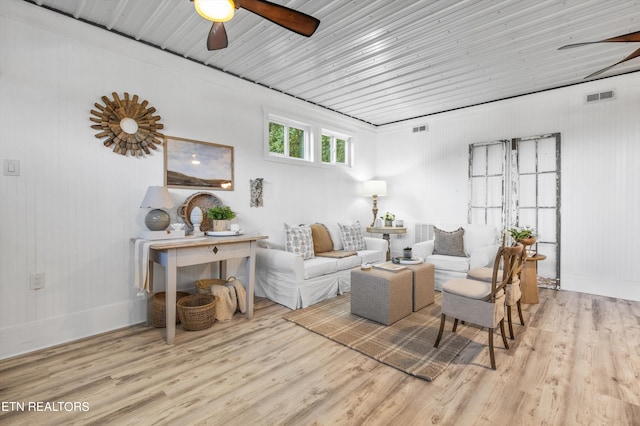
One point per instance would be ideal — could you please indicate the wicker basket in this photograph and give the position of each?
(158, 318)
(204, 286)
(197, 311)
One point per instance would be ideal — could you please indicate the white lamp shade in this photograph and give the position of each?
(375, 187)
(157, 197)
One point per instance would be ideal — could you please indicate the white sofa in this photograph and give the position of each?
(288, 279)
(481, 243)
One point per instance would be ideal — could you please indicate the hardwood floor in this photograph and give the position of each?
(576, 362)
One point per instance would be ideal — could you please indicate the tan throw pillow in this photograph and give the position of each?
(322, 241)
(449, 243)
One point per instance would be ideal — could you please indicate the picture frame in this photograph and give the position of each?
(192, 164)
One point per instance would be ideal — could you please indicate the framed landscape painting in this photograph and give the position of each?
(197, 165)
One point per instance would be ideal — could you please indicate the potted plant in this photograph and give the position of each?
(406, 252)
(522, 235)
(220, 217)
(388, 219)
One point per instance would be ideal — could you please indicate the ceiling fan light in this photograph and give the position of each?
(215, 10)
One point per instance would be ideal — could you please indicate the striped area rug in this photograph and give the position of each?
(406, 345)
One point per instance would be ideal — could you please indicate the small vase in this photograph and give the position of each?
(220, 225)
(406, 253)
(388, 223)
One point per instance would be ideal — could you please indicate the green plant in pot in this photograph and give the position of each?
(220, 217)
(388, 219)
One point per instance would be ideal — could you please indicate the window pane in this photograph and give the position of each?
(341, 151)
(326, 149)
(276, 138)
(296, 143)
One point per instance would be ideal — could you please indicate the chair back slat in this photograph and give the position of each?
(509, 257)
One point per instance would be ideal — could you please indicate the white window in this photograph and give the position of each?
(336, 148)
(289, 139)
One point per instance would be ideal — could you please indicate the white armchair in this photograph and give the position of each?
(481, 243)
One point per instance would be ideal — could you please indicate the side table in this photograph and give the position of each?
(529, 283)
(386, 231)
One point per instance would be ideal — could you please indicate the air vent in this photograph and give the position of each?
(423, 128)
(602, 96)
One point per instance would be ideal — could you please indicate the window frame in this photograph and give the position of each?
(335, 136)
(289, 123)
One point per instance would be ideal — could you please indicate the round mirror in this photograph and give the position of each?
(129, 125)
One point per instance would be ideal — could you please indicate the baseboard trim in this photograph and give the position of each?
(25, 338)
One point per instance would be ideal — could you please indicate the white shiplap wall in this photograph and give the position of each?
(600, 177)
(75, 206)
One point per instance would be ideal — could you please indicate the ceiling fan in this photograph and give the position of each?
(626, 38)
(220, 11)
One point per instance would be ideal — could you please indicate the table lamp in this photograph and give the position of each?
(375, 188)
(157, 198)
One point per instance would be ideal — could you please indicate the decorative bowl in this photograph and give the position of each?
(177, 226)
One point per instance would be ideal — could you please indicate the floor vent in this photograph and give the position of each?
(423, 128)
(602, 96)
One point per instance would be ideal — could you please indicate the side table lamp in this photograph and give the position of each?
(375, 188)
(157, 220)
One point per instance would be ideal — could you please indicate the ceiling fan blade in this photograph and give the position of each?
(217, 37)
(626, 38)
(290, 19)
(635, 54)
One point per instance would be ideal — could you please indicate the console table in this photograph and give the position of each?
(386, 231)
(176, 254)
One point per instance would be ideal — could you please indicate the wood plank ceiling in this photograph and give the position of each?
(383, 61)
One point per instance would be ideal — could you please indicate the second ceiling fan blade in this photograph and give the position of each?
(290, 19)
(635, 54)
(217, 38)
(626, 38)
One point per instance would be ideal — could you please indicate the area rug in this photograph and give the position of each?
(406, 345)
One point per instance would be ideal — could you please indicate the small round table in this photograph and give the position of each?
(529, 284)
(386, 231)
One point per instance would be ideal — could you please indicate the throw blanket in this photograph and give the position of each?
(337, 254)
(230, 298)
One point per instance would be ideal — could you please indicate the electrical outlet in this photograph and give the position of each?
(36, 281)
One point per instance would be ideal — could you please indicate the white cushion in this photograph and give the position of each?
(348, 262)
(476, 236)
(319, 266)
(449, 263)
(483, 274)
(371, 256)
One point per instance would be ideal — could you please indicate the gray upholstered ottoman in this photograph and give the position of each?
(423, 285)
(382, 296)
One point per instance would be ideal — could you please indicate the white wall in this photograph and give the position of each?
(600, 177)
(74, 208)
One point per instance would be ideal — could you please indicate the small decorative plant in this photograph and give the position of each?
(221, 213)
(389, 216)
(518, 233)
(406, 252)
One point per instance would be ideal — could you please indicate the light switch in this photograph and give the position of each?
(11, 167)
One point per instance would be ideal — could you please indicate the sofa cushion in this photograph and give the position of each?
(352, 237)
(319, 266)
(449, 263)
(449, 243)
(298, 240)
(371, 256)
(348, 262)
(476, 236)
(322, 241)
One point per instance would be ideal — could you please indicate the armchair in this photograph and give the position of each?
(480, 245)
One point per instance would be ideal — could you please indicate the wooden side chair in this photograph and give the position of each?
(480, 302)
(512, 290)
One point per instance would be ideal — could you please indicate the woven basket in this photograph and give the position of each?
(158, 317)
(197, 311)
(204, 286)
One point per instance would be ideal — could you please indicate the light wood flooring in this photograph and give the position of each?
(576, 362)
